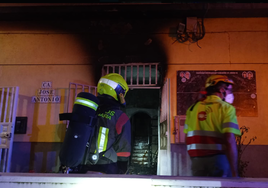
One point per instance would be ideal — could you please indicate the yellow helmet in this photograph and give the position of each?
(214, 79)
(114, 85)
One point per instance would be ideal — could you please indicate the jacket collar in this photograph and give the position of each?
(213, 98)
(108, 102)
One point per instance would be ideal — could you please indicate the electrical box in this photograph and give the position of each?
(20, 125)
(191, 24)
(181, 28)
(179, 122)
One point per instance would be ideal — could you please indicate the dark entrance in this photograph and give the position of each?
(143, 104)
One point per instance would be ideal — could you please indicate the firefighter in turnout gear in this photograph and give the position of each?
(211, 126)
(111, 151)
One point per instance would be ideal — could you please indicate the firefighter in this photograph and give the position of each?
(111, 153)
(211, 126)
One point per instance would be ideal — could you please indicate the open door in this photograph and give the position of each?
(164, 154)
(8, 109)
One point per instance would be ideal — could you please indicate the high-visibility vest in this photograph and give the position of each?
(205, 125)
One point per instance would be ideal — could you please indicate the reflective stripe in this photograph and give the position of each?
(230, 125)
(205, 146)
(111, 83)
(204, 133)
(204, 140)
(103, 138)
(86, 102)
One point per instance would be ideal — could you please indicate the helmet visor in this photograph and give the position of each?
(117, 87)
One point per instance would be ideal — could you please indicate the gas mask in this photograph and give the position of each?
(229, 98)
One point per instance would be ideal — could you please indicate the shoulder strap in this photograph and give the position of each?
(76, 117)
(92, 151)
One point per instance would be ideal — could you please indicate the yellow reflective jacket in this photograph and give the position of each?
(205, 125)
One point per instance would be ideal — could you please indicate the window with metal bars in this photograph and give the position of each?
(135, 74)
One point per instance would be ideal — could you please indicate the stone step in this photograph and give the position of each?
(140, 148)
(139, 158)
(139, 155)
(140, 151)
(140, 162)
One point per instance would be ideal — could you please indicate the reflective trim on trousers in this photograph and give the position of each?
(204, 133)
(206, 147)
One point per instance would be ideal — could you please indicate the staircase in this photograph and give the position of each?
(141, 158)
(140, 154)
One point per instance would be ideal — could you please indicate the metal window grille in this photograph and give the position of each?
(135, 74)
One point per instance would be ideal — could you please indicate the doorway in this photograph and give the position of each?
(143, 109)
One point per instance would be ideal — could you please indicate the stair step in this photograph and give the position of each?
(144, 158)
(139, 162)
(139, 155)
(140, 151)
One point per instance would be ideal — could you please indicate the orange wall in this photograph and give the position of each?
(229, 44)
(33, 54)
(29, 58)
